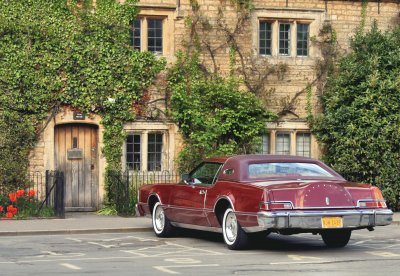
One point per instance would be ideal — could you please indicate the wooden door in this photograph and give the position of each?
(76, 148)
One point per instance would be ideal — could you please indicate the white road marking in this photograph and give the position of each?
(103, 245)
(183, 261)
(359, 242)
(383, 254)
(142, 239)
(73, 239)
(166, 269)
(300, 258)
(289, 263)
(192, 248)
(56, 255)
(135, 253)
(71, 266)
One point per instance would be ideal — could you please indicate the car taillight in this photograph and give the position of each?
(273, 205)
(371, 204)
(376, 193)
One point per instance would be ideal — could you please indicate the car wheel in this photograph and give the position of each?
(336, 238)
(161, 224)
(234, 236)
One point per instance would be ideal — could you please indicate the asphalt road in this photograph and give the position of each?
(199, 253)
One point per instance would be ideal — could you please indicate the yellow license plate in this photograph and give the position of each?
(332, 222)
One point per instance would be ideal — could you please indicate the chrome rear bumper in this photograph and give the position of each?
(312, 219)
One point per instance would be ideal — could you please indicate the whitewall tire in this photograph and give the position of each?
(161, 224)
(234, 236)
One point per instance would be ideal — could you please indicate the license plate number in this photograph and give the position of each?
(332, 222)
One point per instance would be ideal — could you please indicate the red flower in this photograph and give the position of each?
(13, 197)
(31, 193)
(11, 209)
(20, 193)
(1, 209)
(9, 215)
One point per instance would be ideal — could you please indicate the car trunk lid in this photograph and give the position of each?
(312, 194)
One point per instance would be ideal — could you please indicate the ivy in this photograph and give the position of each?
(215, 117)
(360, 123)
(69, 53)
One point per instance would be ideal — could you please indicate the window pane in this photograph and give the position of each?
(265, 38)
(284, 38)
(154, 154)
(303, 144)
(265, 144)
(133, 152)
(136, 31)
(302, 39)
(283, 143)
(154, 34)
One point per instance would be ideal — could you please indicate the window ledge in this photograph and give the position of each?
(289, 9)
(157, 6)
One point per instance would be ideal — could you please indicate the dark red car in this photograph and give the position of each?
(249, 195)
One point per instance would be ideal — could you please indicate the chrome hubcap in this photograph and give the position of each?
(231, 227)
(159, 219)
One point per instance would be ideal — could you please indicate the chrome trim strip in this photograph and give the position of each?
(188, 208)
(325, 207)
(197, 227)
(246, 214)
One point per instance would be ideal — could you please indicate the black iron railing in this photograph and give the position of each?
(124, 186)
(48, 190)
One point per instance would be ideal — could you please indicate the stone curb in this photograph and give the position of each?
(89, 231)
(75, 231)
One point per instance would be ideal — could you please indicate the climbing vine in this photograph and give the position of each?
(70, 53)
(215, 114)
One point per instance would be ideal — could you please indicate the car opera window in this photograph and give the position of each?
(287, 170)
(206, 173)
(144, 151)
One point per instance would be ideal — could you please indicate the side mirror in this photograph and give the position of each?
(185, 178)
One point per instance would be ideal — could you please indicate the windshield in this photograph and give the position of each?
(284, 170)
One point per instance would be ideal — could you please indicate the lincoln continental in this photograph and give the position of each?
(249, 196)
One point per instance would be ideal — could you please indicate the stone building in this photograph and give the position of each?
(277, 34)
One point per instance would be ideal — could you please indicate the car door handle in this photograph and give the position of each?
(202, 192)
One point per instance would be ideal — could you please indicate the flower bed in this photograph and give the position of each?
(22, 204)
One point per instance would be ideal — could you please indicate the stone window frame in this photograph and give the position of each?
(144, 149)
(144, 33)
(314, 17)
(293, 134)
(167, 15)
(276, 38)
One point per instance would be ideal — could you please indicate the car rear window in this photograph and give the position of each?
(284, 170)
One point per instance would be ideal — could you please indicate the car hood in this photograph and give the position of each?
(317, 193)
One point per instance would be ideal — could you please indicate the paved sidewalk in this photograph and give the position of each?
(75, 223)
(85, 223)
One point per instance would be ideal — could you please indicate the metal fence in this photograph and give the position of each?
(124, 186)
(49, 189)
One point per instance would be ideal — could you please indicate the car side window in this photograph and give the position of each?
(206, 173)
